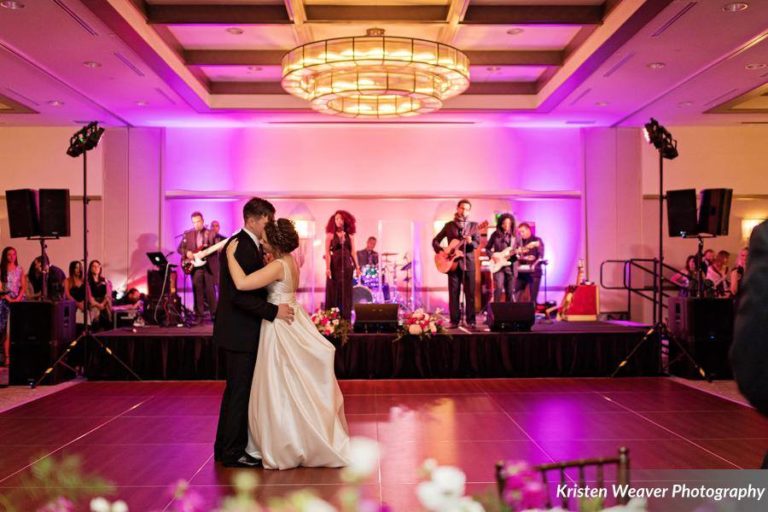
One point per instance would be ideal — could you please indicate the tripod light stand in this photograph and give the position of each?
(80, 143)
(662, 140)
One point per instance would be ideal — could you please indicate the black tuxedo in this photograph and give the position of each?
(203, 278)
(465, 271)
(213, 260)
(236, 334)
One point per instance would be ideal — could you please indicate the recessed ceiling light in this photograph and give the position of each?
(55, 103)
(254, 68)
(235, 31)
(735, 6)
(91, 64)
(753, 67)
(601, 103)
(684, 104)
(656, 65)
(515, 31)
(493, 69)
(11, 4)
(142, 103)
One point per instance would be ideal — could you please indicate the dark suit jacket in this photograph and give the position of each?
(189, 241)
(749, 352)
(451, 231)
(213, 259)
(239, 313)
(363, 259)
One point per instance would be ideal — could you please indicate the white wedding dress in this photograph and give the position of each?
(296, 410)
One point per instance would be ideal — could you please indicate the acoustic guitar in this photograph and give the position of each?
(447, 260)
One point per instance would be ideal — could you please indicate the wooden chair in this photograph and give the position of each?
(622, 474)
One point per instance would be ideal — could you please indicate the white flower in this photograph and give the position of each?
(119, 506)
(363, 458)
(432, 327)
(317, 505)
(450, 479)
(414, 329)
(100, 505)
(336, 322)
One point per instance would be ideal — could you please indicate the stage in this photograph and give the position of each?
(557, 349)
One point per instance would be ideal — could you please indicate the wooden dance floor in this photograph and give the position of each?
(145, 436)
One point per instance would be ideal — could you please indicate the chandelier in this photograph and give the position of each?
(375, 76)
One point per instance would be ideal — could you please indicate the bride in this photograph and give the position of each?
(296, 410)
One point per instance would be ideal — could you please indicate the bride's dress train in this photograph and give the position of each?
(296, 411)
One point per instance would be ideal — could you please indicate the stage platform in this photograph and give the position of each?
(557, 349)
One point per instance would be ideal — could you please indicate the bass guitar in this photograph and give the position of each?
(198, 258)
(447, 260)
(500, 259)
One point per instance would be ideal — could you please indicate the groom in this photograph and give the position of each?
(236, 334)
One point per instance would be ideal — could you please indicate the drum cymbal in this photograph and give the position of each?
(385, 254)
(407, 266)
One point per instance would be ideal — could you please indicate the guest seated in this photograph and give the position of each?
(737, 274)
(12, 285)
(100, 300)
(686, 279)
(56, 278)
(74, 289)
(717, 275)
(133, 299)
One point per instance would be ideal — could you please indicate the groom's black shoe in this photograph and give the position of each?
(246, 461)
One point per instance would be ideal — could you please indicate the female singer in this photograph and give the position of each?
(340, 262)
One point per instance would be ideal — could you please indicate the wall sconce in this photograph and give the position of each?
(747, 225)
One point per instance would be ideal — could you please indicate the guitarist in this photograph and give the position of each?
(501, 239)
(530, 278)
(461, 229)
(203, 279)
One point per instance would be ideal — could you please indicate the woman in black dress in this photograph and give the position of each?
(340, 262)
(100, 296)
(74, 289)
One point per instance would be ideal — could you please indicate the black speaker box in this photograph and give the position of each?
(705, 328)
(39, 332)
(376, 317)
(155, 283)
(22, 213)
(681, 212)
(715, 211)
(512, 316)
(54, 211)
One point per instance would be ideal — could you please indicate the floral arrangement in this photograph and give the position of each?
(441, 490)
(422, 324)
(330, 324)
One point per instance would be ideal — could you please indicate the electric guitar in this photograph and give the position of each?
(500, 259)
(198, 258)
(447, 260)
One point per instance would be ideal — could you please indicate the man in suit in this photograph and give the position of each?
(236, 335)
(195, 240)
(368, 256)
(749, 352)
(461, 229)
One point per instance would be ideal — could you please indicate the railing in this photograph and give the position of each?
(648, 268)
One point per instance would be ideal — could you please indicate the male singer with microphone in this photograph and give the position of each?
(461, 229)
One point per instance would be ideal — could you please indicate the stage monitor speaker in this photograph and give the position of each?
(40, 331)
(715, 211)
(376, 317)
(54, 211)
(705, 326)
(681, 212)
(22, 213)
(512, 316)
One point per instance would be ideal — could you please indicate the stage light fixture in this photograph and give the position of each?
(661, 139)
(85, 139)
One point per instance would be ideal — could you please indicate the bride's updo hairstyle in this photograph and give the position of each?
(282, 235)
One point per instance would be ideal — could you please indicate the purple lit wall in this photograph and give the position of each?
(405, 177)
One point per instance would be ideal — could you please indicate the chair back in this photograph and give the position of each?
(622, 475)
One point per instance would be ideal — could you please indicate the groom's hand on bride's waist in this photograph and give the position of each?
(285, 312)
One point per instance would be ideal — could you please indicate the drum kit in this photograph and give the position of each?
(381, 283)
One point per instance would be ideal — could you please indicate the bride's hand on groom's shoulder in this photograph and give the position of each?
(232, 247)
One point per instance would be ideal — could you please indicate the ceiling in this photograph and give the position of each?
(533, 62)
